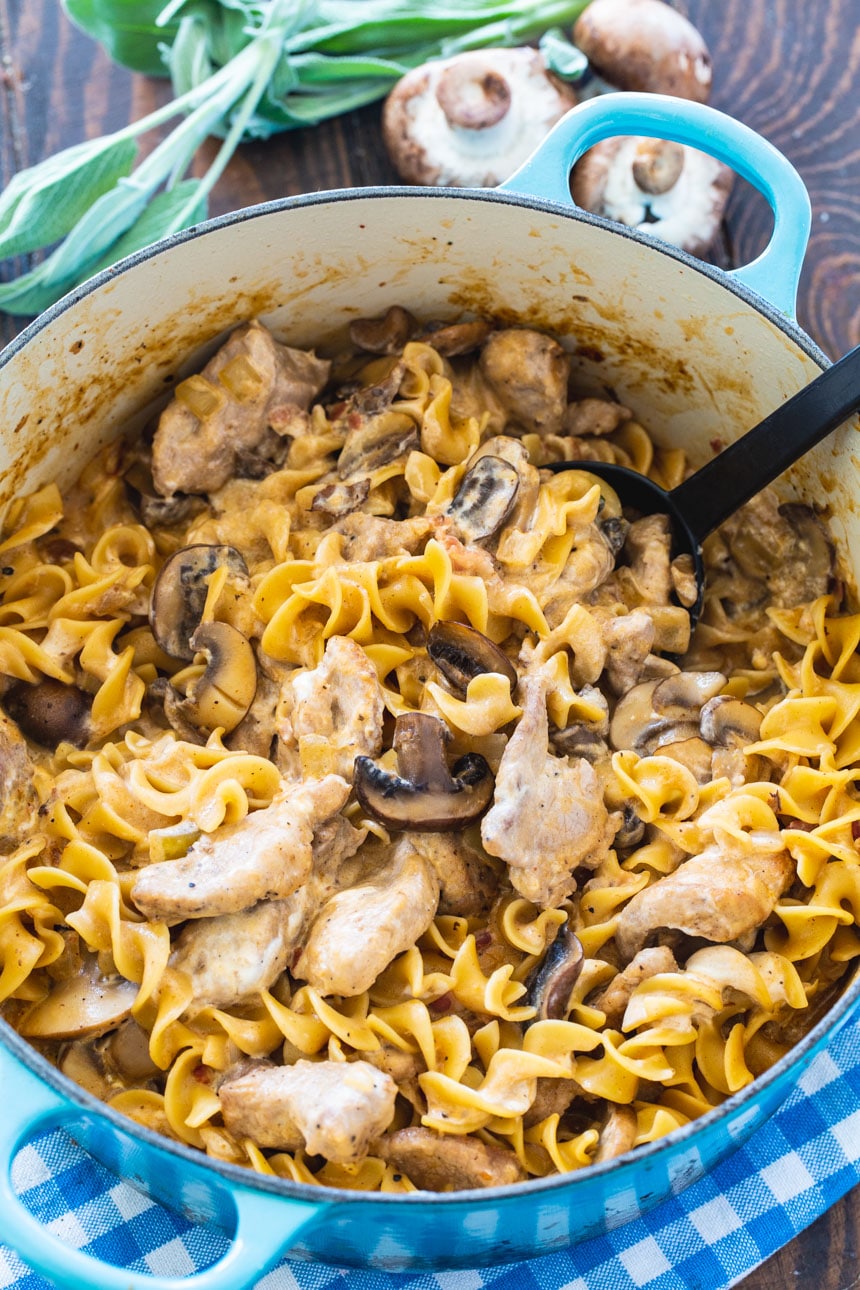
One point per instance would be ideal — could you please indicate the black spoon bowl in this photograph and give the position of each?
(699, 505)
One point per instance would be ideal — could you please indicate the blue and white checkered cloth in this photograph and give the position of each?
(791, 1170)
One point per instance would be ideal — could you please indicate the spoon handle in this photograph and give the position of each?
(756, 459)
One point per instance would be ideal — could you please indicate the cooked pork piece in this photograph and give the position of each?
(715, 895)
(469, 884)
(439, 1162)
(553, 1097)
(361, 929)
(648, 547)
(548, 815)
(371, 537)
(332, 1109)
(528, 371)
(338, 704)
(229, 959)
(266, 856)
(615, 998)
(251, 385)
(18, 798)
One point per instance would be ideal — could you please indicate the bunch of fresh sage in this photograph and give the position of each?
(240, 69)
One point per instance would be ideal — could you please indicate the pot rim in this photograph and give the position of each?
(837, 1016)
(630, 1160)
(784, 322)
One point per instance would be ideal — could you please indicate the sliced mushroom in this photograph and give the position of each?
(426, 796)
(50, 712)
(662, 711)
(485, 498)
(380, 440)
(341, 499)
(386, 335)
(633, 721)
(614, 530)
(685, 692)
(471, 120)
(549, 986)
(179, 594)
(80, 1063)
(730, 722)
(580, 740)
(222, 695)
(457, 338)
(632, 830)
(461, 653)
(618, 1134)
(126, 1051)
(693, 753)
(86, 1004)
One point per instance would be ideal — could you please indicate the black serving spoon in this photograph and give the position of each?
(699, 505)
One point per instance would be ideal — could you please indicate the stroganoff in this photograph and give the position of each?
(370, 816)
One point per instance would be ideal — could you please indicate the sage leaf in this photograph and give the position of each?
(561, 56)
(43, 203)
(156, 221)
(126, 28)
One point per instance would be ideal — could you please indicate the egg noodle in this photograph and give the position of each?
(454, 1014)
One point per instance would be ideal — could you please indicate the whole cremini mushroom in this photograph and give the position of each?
(672, 192)
(662, 188)
(471, 120)
(645, 45)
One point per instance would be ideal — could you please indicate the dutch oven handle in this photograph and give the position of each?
(263, 1227)
(776, 272)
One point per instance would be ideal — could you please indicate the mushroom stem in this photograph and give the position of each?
(472, 94)
(657, 165)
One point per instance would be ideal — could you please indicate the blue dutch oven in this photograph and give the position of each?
(699, 353)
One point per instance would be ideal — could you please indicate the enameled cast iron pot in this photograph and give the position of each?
(701, 355)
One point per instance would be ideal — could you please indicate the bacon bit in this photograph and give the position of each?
(202, 1074)
(355, 420)
(855, 830)
(717, 444)
(483, 939)
(443, 1004)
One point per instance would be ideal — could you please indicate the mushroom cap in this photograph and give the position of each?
(471, 120)
(50, 712)
(645, 45)
(485, 498)
(461, 653)
(180, 590)
(550, 985)
(426, 797)
(85, 1004)
(222, 695)
(687, 214)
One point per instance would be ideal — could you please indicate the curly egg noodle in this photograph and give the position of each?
(454, 1016)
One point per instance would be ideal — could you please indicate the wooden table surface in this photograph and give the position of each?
(788, 68)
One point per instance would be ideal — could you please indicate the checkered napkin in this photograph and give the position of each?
(796, 1165)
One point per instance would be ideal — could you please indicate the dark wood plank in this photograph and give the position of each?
(789, 70)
